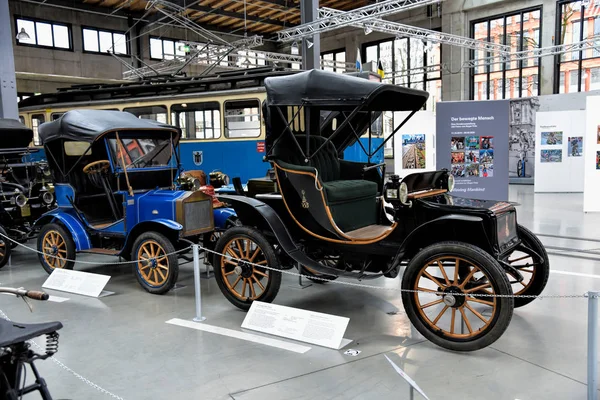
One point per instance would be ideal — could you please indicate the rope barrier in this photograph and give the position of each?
(63, 366)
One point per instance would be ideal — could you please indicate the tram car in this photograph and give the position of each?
(336, 218)
(223, 130)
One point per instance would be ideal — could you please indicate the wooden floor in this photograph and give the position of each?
(369, 232)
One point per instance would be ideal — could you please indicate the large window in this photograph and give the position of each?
(334, 61)
(43, 34)
(102, 41)
(242, 118)
(507, 80)
(578, 70)
(157, 113)
(166, 49)
(197, 120)
(36, 121)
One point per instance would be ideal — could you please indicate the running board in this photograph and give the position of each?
(106, 252)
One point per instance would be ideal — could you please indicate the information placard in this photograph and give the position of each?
(472, 143)
(77, 282)
(306, 326)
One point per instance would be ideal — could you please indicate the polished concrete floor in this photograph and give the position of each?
(122, 343)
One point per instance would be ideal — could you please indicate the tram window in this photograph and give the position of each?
(56, 116)
(36, 121)
(198, 120)
(242, 118)
(22, 119)
(157, 113)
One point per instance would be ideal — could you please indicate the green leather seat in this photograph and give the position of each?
(352, 201)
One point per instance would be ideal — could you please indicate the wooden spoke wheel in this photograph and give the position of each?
(156, 267)
(447, 305)
(243, 267)
(5, 247)
(531, 260)
(56, 247)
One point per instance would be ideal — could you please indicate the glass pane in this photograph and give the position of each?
(90, 40)
(180, 48)
(44, 34)
(120, 43)
(29, 28)
(61, 36)
(157, 113)
(105, 42)
(481, 33)
(242, 119)
(435, 94)
(156, 48)
(401, 61)
(36, 121)
(371, 54)
(417, 61)
(497, 36)
(573, 81)
(169, 50)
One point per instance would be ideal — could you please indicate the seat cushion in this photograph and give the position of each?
(342, 191)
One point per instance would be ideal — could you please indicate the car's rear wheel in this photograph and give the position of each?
(244, 266)
(5, 247)
(531, 260)
(441, 302)
(157, 267)
(56, 248)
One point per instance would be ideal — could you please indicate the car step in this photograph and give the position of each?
(109, 252)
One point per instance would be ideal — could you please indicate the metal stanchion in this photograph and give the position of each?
(592, 356)
(198, 317)
(412, 393)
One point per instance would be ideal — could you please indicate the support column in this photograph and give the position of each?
(8, 80)
(548, 39)
(311, 57)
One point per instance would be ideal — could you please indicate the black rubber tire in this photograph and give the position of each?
(69, 244)
(173, 263)
(6, 247)
(489, 266)
(246, 232)
(542, 272)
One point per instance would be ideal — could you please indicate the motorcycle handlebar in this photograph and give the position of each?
(37, 295)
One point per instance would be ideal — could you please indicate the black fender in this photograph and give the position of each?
(253, 212)
(464, 228)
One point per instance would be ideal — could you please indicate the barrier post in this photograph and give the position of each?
(198, 293)
(412, 393)
(592, 356)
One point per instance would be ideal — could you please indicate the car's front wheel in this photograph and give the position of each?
(56, 248)
(454, 309)
(156, 267)
(245, 267)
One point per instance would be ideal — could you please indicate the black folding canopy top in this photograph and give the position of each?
(88, 125)
(328, 89)
(13, 134)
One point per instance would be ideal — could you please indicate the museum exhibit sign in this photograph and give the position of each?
(414, 143)
(472, 142)
(559, 161)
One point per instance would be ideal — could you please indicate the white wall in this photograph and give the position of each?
(567, 175)
(591, 193)
(423, 122)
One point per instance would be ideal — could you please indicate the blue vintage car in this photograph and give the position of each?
(120, 191)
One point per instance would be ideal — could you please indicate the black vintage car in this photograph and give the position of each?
(330, 217)
(26, 189)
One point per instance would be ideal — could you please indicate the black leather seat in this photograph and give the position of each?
(14, 332)
(351, 200)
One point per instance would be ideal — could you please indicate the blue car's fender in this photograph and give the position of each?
(73, 225)
(167, 227)
(222, 215)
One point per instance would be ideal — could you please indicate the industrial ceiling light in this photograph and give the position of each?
(23, 35)
(368, 29)
(294, 48)
(309, 44)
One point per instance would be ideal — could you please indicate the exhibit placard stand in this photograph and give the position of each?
(414, 143)
(591, 152)
(560, 143)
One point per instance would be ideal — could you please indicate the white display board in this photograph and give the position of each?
(77, 282)
(408, 146)
(591, 193)
(560, 143)
(293, 323)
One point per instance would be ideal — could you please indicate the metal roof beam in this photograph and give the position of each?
(347, 18)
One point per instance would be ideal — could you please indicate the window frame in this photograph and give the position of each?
(162, 42)
(225, 128)
(520, 64)
(112, 34)
(335, 53)
(213, 119)
(43, 21)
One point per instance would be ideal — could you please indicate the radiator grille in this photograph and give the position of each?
(197, 215)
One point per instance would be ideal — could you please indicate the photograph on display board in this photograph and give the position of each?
(486, 156)
(472, 156)
(486, 170)
(457, 143)
(598, 134)
(575, 146)
(598, 160)
(458, 170)
(521, 137)
(486, 142)
(472, 142)
(552, 138)
(413, 151)
(551, 156)
(472, 169)
(457, 157)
